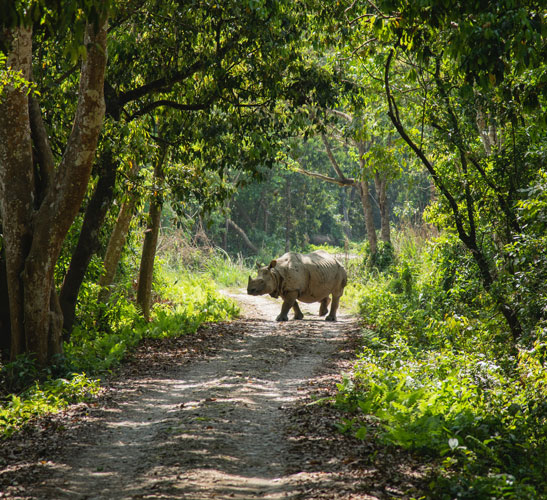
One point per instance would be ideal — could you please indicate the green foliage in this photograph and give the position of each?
(226, 271)
(11, 78)
(183, 261)
(382, 259)
(105, 333)
(49, 396)
(18, 374)
(527, 253)
(475, 119)
(225, 84)
(182, 302)
(437, 374)
(195, 300)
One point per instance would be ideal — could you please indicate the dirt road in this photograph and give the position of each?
(219, 425)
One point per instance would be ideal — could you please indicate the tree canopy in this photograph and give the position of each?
(371, 96)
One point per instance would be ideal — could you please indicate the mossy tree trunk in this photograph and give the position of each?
(38, 206)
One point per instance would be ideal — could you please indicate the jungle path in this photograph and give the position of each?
(221, 416)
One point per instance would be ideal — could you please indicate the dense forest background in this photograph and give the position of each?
(151, 149)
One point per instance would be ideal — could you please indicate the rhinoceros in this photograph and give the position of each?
(308, 278)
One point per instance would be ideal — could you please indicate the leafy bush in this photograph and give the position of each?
(183, 302)
(437, 374)
(105, 333)
(383, 258)
(19, 374)
(48, 397)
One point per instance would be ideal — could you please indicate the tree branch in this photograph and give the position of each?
(165, 83)
(345, 182)
(501, 199)
(66, 192)
(170, 104)
(332, 159)
(41, 145)
(160, 84)
(341, 114)
(243, 235)
(393, 114)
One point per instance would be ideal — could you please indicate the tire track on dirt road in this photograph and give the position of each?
(210, 428)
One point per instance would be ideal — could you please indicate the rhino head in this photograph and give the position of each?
(264, 283)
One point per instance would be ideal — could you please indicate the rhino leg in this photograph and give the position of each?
(324, 309)
(297, 312)
(333, 308)
(288, 301)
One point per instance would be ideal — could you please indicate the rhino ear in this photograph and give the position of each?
(258, 266)
(273, 263)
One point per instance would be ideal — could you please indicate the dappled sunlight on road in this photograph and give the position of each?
(213, 428)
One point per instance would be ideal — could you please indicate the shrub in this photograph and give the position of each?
(47, 397)
(105, 333)
(436, 375)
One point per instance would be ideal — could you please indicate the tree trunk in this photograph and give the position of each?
(367, 205)
(467, 236)
(369, 217)
(5, 329)
(225, 236)
(35, 224)
(117, 239)
(16, 183)
(346, 182)
(288, 216)
(264, 204)
(146, 271)
(380, 183)
(115, 246)
(345, 214)
(487, 131)
(88, 242)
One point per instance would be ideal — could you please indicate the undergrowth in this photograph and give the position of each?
(437, 375)
(184, 299)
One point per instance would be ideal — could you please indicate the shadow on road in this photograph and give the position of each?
(213, 428)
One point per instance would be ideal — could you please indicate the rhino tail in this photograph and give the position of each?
(345, 280)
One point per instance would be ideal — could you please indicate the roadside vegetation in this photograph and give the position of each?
(437, 372)
(185, 296)
(439, 375)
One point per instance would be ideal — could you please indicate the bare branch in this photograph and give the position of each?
(366, 42)
(396, 120)
(243, 235)
(341, 114)
(345, 182)
(332, 159)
